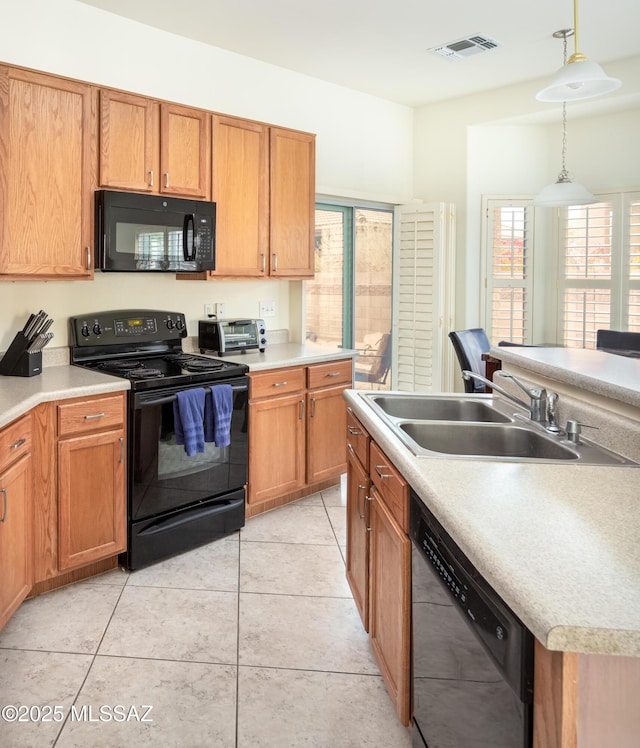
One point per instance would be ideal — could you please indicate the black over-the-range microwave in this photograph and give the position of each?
(152, 233)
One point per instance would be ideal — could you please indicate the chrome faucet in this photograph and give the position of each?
(488, 383)
(537, 396)
(537, 406)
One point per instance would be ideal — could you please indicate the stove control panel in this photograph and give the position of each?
(127, 325)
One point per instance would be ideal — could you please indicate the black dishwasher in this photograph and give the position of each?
(472, 657)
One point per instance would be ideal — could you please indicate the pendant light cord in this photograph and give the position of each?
(564, 174)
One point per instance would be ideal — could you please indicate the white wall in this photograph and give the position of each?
(364, 144)
(504, 142)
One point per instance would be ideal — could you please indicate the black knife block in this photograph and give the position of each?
(18, 362)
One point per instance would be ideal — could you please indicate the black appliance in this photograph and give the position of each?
(153, 233)
(175, 502)
(472, 657)
(224, 336)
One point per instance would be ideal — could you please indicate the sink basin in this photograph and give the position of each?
(426, 408)
(485, 440)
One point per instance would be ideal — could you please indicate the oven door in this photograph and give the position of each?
(178, 501)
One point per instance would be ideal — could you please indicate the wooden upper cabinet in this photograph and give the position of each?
(47, 175)
(240, 188)
(147, 146)
(129, 155)
(185, 151)
(292, 198)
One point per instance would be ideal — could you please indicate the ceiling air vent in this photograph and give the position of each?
(467, 47)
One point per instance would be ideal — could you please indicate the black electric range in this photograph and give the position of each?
(176, 501)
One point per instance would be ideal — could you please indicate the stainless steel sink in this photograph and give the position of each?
(470, 426)
(427, 408)
(493, 440)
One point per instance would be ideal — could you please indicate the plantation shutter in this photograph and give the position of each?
(508, 270)
(423, 297)
(632, 277)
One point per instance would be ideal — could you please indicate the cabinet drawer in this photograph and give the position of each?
(357, 439)
(277, 382)
(325, 375)
(15, 440)
(392, 486)
(96, 414)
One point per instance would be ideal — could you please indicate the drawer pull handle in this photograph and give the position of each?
(333, 374)
(354, 431)
(280, 384)
(383, 475)
(92, 417)
(18, 444)
(4, 504)
(121, 450)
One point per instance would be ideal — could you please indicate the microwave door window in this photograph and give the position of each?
(150, 248)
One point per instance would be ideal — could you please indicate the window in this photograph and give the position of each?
(599, 269)
(508, 272)
(349, 301)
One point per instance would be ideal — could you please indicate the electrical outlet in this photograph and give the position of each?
(219, 310)
(208, 310)
(267, 309)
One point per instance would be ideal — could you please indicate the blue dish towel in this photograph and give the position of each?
(217, 415)
(188, 420)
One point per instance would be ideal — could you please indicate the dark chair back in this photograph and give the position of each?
(618, 340)
(469, 346)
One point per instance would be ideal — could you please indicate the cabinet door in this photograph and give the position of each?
(276, 447)
(326, 433)
(292, 198)
(47, 175)
(16, 574)
(91, 498)
(358, 487)
(129, 142)
(241, 193)
(185, 151)
(390, 603)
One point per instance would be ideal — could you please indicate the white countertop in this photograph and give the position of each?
(280, 355)
(606, 374)
(559, 543)
(19, 394)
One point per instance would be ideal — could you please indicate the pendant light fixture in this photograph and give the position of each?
(578, 78)
(563, 192)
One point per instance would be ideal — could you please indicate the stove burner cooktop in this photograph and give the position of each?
(145, 347)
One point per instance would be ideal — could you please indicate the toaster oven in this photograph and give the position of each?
(224, 336)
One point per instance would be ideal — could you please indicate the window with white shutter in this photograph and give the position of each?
(599, 269)
(508, 273)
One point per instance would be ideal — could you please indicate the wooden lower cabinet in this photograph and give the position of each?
(16, 569)
(379, 559)
(358, 489)
(390, 603)
(276, 447)
(296, 432)
(91, 498)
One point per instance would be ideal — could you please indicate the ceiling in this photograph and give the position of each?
(382, 48)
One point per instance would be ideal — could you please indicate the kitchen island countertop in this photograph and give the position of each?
(559, 543)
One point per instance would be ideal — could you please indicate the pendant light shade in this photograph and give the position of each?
(579, 78)
(563, 192)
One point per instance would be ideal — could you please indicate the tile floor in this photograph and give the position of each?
(253, 640)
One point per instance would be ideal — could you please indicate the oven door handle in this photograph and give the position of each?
(171, 398)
